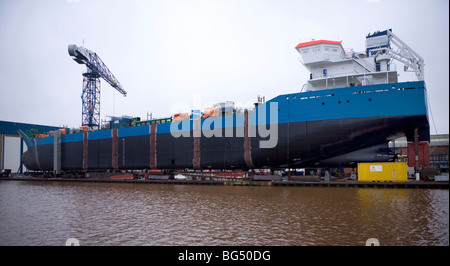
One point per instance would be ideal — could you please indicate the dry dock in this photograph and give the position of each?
(246, 182)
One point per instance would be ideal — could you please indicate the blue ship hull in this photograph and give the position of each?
(326, 128)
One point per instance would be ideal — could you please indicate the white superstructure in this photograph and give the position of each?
(331, 66)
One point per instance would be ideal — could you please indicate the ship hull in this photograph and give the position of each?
(336, 127)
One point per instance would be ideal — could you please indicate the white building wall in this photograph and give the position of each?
(11, 156)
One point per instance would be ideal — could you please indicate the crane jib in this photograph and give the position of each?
(94, 64)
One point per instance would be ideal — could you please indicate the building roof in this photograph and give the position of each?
(11, 128)
(303, 44)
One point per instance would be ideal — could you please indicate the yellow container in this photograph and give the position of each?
(382, 172)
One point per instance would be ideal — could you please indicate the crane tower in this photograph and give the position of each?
(96, 69)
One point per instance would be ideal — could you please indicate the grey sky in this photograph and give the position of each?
(166, 53)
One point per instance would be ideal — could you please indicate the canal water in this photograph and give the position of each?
(49, 213)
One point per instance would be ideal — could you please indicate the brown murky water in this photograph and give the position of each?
(41, 213)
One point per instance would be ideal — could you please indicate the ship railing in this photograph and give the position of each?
(342, 81)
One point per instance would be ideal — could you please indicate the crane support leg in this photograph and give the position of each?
(91, 100)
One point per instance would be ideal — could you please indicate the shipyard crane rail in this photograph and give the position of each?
(91, 83)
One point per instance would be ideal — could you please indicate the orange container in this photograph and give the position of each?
(180, 116)
(211, 112)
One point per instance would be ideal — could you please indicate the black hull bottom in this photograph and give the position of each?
(325, 143)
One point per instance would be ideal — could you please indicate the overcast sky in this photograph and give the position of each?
(196, 52)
